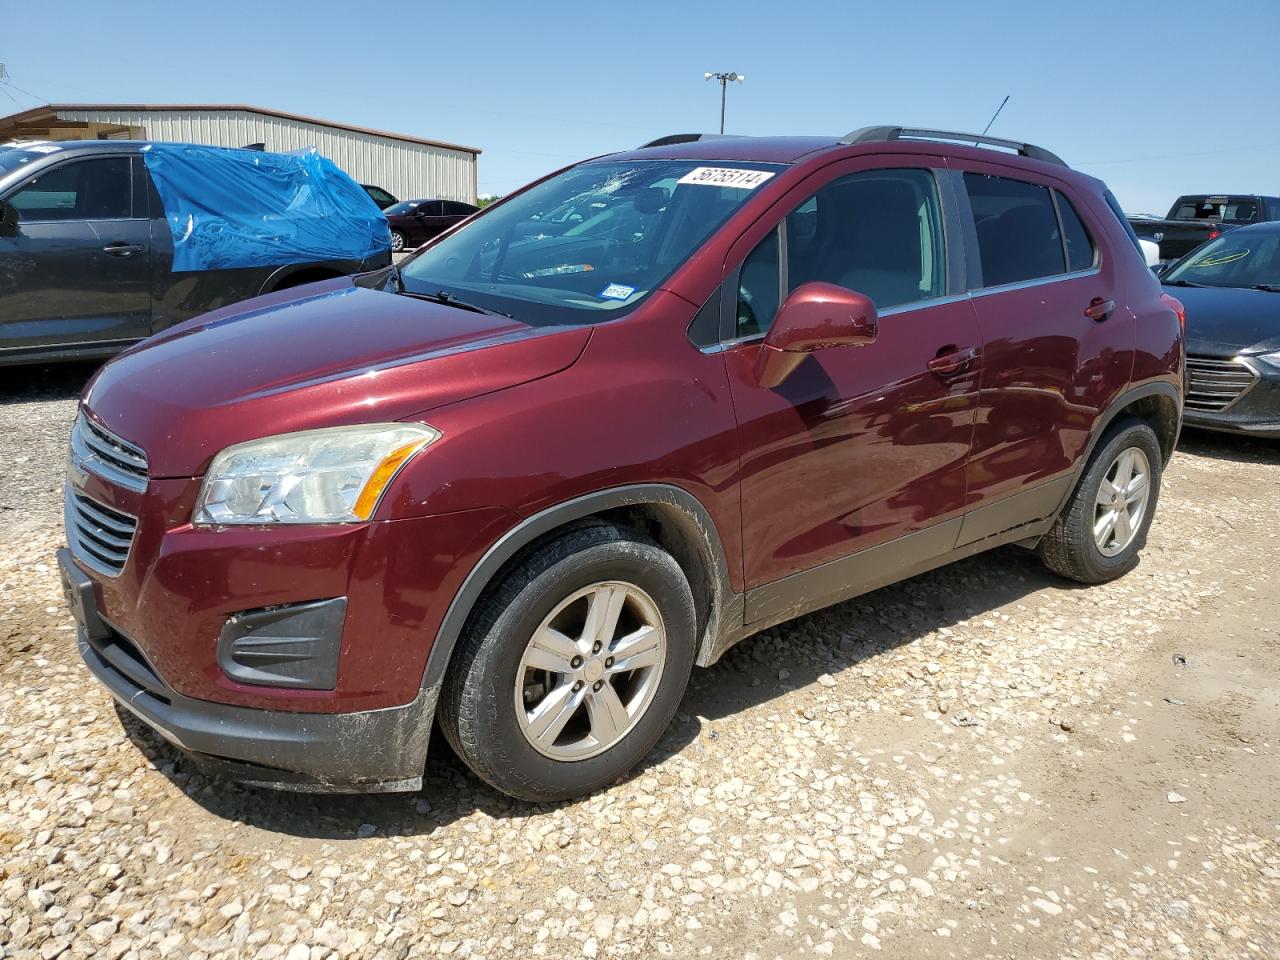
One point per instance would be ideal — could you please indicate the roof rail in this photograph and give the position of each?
(881, 134)
(674, 138)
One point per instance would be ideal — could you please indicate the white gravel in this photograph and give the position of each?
(981, 762)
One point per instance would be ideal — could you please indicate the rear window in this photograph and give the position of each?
(1220, 209)
(1017, 228)
(1081, 253)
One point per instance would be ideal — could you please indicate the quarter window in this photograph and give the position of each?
(758, 287)
(1080, 249)
(1017, 229)
(878, 233)
(100, 189)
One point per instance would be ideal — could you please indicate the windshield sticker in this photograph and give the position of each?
(726, 177)
(616, 291)
(1221, 259)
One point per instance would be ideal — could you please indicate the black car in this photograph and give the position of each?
(87, 253)
(1231, 289)
(414, 222)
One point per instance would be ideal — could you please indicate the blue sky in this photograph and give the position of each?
(1159, 97)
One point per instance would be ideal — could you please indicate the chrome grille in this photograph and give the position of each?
(1214, 385)
(98, 535)
(102, 452)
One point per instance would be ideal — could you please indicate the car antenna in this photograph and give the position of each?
(994, 115)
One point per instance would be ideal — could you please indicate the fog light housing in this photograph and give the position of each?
(296, 645)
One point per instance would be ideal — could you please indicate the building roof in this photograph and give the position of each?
(50, 111)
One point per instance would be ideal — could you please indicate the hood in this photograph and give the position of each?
(1224, 321)
(342, 355)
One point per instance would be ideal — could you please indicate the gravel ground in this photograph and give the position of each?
(982, 762)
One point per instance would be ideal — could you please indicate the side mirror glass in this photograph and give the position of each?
(815, 316)
(8, 218)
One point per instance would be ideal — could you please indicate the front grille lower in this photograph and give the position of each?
(98, 535)
(112, 457)
(1213, 385)
(122, 657)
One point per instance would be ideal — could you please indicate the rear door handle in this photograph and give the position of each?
(952, 362)
(1099, 309)
(123, 249)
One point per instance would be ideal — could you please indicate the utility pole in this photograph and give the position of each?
(725, 79)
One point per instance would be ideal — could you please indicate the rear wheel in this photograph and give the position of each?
(1104, 526)
(573, 667)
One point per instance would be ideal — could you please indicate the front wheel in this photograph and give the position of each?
(1104, 525)
(397, 241)
(572, 669)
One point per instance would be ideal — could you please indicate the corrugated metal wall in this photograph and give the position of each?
(409, 170)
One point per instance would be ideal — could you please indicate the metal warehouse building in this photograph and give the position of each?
(410, 167)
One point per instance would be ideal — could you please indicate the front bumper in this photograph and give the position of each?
(1256, 413)
(365, 751)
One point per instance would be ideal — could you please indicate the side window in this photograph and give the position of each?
(1080, 249)
(453, 209)
(99, 189)
(1017, 229)
(434, 208)
(758, 287)
(878, 232)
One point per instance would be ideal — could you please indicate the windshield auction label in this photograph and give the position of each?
(726, 177)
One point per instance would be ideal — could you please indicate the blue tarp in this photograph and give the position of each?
(247, 208)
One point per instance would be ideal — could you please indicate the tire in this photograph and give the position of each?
(1074, 547)
(397, 241)
(497, 696)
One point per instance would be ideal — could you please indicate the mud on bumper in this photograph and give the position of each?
(361, 752)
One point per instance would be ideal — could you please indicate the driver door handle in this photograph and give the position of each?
(122, 249)
(952, 362)
(1099, 309)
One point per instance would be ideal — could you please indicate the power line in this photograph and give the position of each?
(1178, 156)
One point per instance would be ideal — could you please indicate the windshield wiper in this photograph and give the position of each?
(1269, 287)
(1184, 283)
(448, 299)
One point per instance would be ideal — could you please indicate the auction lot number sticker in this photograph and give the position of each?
(726, 177)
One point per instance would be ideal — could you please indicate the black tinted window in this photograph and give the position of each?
(454, 209)
(878, 233)
(758, 297)
(1080, 250)
(1017, 229)
(100, 189)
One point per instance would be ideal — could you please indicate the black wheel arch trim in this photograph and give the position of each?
(680, 505)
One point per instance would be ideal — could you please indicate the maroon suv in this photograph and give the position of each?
(522, 485)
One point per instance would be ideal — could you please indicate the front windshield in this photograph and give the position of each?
(13, 158)
(1236, 259)
(587, 243)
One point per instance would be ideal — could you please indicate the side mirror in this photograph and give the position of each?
(815, 316)
(8, 218)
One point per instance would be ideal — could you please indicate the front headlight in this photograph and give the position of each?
(334, 475)
(1273, 359)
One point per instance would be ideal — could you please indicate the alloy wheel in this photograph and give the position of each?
(1122, 501)
(590, 670)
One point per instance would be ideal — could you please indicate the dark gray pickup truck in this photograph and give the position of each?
(1198, 217)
